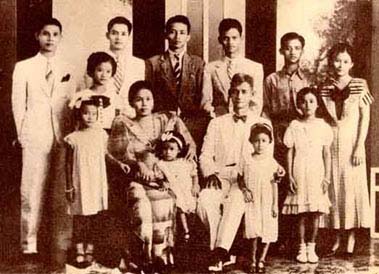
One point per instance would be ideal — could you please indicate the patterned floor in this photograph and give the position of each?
(368, 263)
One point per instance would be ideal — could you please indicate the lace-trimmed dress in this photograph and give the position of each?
(308, 139)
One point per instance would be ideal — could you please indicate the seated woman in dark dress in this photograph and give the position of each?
(151, 206)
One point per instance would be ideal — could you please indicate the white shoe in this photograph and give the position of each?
(311, 253)
(216, 267)
(232, 260)
(302, 255)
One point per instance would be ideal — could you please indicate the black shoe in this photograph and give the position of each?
(31, 258)
(348, 255)
(332, 253)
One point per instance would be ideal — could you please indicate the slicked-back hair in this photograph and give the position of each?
(119, 20)
(48, 21)
(291, 36)
(178, 19)
(227, 24)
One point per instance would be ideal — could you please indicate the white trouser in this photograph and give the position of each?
(210, 202)
(35, 172)
(234, 209)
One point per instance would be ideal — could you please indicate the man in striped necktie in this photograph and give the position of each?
(129, 68)
(119, 75)
(177, 79)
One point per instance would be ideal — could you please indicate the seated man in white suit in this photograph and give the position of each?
(222, 151)
(217, 74)
(42, 86)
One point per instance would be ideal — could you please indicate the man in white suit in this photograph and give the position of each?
(41, 89)
(129, 68)
(218, 74)
(222, 151)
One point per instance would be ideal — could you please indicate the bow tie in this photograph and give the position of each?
(242, 118)
(340, 95)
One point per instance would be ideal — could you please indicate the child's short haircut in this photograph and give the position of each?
(240, 78)
(96, 59)
(119, 20)
(304, 91)
(258, 129)
(136, 87)
(172, 137)
(48, 21)
(310, 90)
(178, 19)
(227, 24)
(340, 48)
(291, 36)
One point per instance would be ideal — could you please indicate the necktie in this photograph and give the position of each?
(49, 76)
(177, 70)
(230, 69)
(119, 75)
(237, 118)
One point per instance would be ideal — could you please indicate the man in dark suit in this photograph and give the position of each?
(177, 79)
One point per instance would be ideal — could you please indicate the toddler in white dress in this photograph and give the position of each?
(258, 183)
(181, 175)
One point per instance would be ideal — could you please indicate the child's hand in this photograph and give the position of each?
(125, 168)
(358, 155)
(210, 110)
(325, 185)
(191, 155)
(70, 195)
(293, 185)
(248, 195)
(274, 211)
(280, 172)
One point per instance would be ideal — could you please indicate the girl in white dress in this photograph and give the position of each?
(308, 140)
(347, 102)
(260, 175)
(180, 173)
(87, 186)
(101, 67)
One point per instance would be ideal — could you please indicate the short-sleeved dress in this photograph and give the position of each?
(258, 174)
(89, 173)
(179, 175)
(308, 139)
(349, 189)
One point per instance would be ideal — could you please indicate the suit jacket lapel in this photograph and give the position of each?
(165, 66)
(223, 78)
(226, 134)
(186, 71)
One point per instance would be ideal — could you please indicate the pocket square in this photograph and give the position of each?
(66, 78)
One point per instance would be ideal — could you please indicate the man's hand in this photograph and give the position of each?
(70, 195)
(248, 195)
